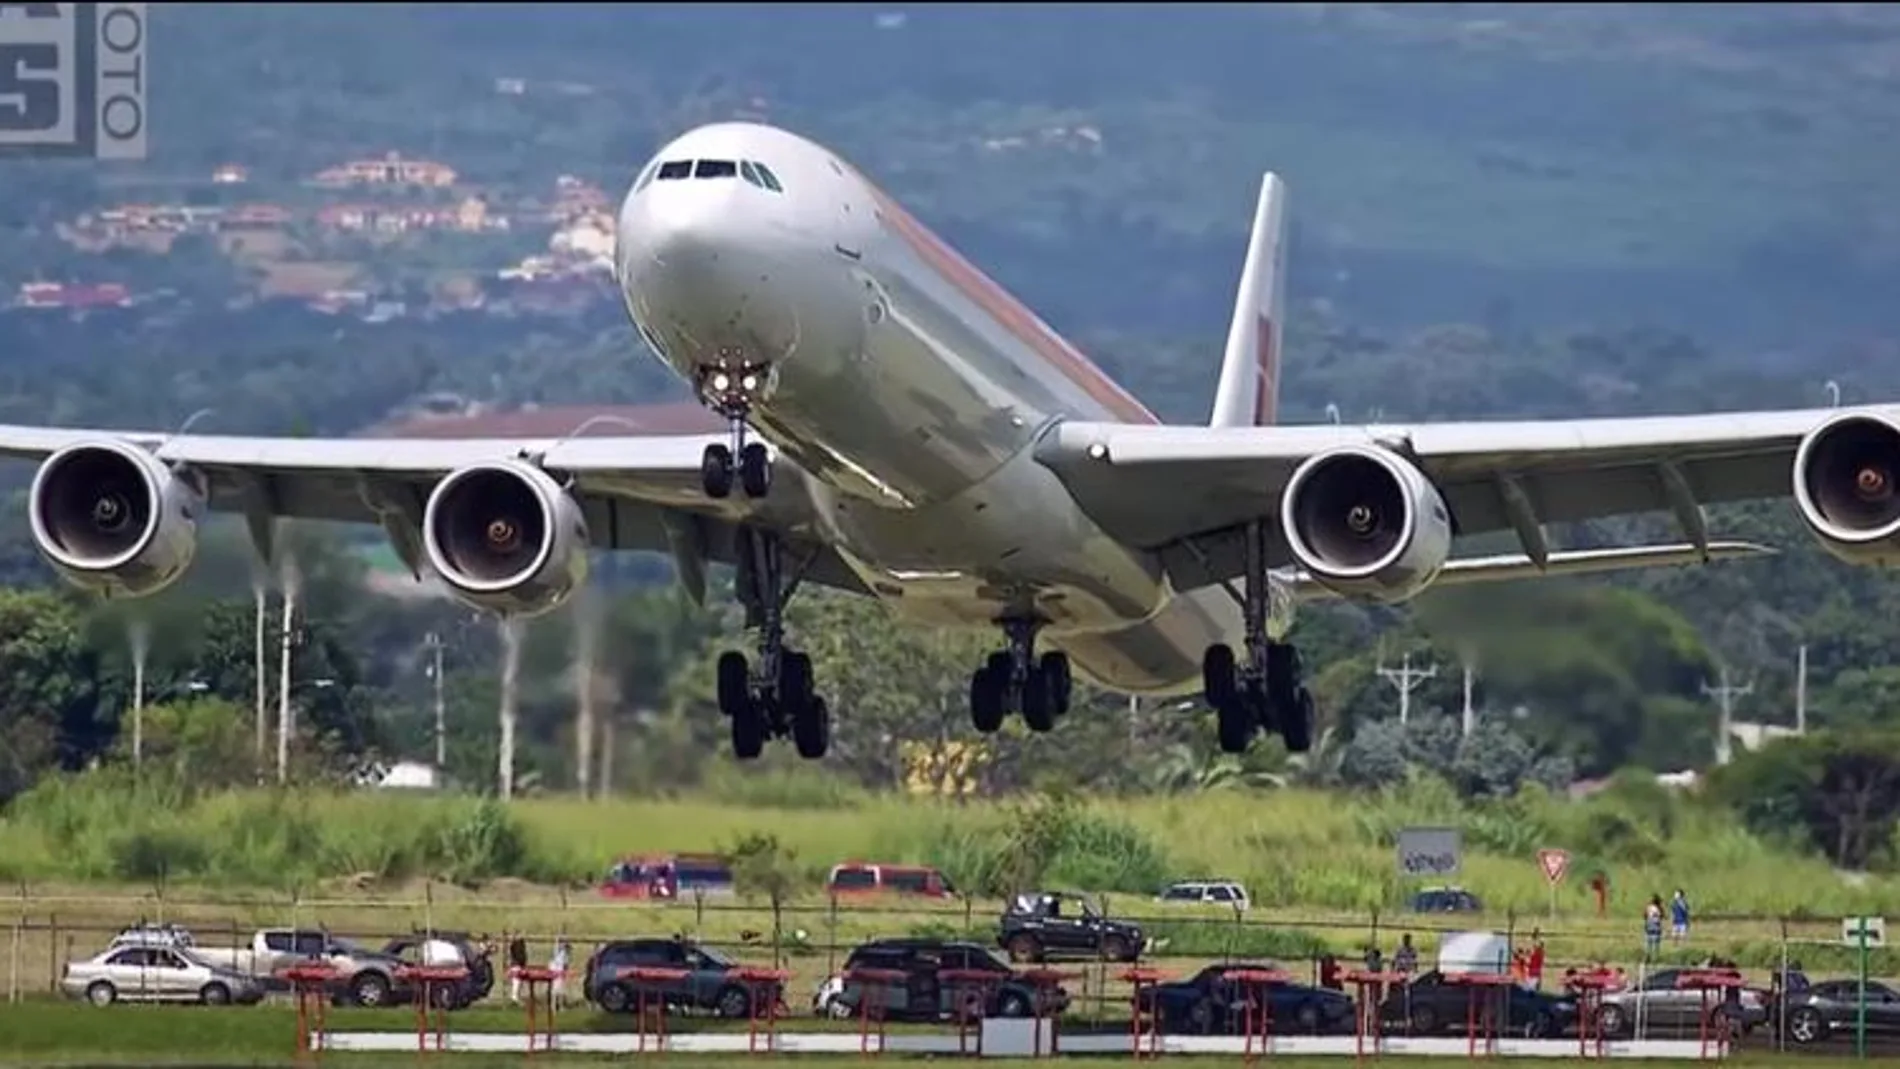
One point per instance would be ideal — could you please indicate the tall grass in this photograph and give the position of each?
(1311, 850)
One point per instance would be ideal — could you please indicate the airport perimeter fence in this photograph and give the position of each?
(811, 938)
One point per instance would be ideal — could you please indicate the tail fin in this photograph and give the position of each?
(1249, 390)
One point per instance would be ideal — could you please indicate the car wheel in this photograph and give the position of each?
(370, 989)
(733, 1002)
(1115, 948)
(1025, 948)
(215, 995)
(1424, 1021)
(838, 1009)
(1610, 1021)
(102, 994)
(1539, 1027)
(1806, 1025)
(1201, 1018)
(1013, 1004)
(1308, 1018)
(615, 998)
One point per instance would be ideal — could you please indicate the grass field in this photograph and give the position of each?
(55, 1034)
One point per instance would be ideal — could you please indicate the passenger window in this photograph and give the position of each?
(676, 169)
(715, 169)
(750, 174)
(771, 180)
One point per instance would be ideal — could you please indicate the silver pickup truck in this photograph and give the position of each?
(364, 977)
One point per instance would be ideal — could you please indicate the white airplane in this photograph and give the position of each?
(904, 429)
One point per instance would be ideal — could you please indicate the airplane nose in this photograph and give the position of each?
(682, 241)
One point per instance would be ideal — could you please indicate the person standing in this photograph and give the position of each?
(1652, 927)
(1535, 966)
(563, 954)
(1405, 959)
(1679, 916)
(517, 961)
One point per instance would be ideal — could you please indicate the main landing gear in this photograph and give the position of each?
(1262, 691)
(773, 698)
(1013, 680)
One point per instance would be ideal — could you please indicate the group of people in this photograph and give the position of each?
(1653, 921)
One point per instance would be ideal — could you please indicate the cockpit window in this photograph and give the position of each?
(646, 176)
(676, 169)
(750, 174)
(770, 179)
(716, 169)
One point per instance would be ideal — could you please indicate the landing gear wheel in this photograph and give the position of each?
(715, 472)
(1039, 701)
(1236, 726)
(1283, 674)
(795, 681)
(755, 470)
(1218, 678)
(1296, 722)
(748, 731)
(811, 729)
(734, 685)
(989, 699)
(1055, 668)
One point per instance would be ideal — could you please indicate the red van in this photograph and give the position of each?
(868, 878)
(668, 876)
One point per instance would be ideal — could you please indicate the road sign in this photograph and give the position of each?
(1554, 863)
(1430, 851)
(1872, 929)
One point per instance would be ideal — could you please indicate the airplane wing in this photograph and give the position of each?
(1508, 566)
(638, 492)
(1185, 491)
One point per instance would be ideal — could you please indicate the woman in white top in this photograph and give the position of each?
(557, 964)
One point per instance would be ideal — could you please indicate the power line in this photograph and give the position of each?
(1407, 679)
(1725, 696)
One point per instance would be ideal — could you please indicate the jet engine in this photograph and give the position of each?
(1366, 523)
(1847, 487)
(112, 518)
(506, 537)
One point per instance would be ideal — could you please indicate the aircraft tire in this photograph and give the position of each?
(1218, 678)
(748, 731)
(755, 470)
(811, 729)
(1296, 722)
(715, 472)
(734, 685)
(1235, 726)
(1055, 666)
(1039, 701)
(987, 704)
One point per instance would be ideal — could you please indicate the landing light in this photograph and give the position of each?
(749, 383)
(720, 382)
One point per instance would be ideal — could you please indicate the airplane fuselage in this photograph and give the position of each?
(911, 387)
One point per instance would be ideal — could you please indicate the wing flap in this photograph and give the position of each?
(1508, 566)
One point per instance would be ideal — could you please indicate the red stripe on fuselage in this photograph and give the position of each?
(1010, 314)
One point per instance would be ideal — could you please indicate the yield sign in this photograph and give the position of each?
(1555, 863)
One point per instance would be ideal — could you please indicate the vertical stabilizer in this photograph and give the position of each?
(1249, 390)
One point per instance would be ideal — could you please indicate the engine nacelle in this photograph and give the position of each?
(1366, 523)
(1847, 487)
(112, 518)
(504, 536)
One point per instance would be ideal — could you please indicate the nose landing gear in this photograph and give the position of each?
(731, 394)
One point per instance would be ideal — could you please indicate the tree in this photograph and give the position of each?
(1841, 792)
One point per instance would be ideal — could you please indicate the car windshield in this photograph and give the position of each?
(714, 958)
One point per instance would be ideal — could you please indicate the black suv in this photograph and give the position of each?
(475, 957)
(1039, 927)
(710, 983)
(926, 993)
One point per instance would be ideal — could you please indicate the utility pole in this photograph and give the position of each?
(284, 724)
(1470, 718)
(1801, 691)
(1407, 679)
(1725, 696)
(434, 642)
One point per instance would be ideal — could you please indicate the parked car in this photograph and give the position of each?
(1050, 925)
(860, 877)
(927, 994)
(1446, 900)
(1209, 892)
(1660, 1003)
(1208, 1002)
(1815, 1014)
(155, 935)
(668, 876)
(157, 974)
(1434, 1005)
(709, 983)
(364, 977)
(480, 981)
